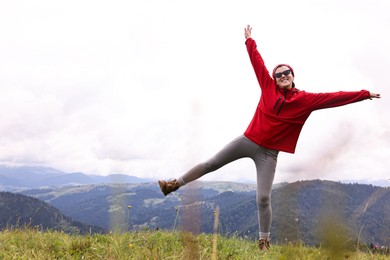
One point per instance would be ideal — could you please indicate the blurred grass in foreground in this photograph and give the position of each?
(29, 243)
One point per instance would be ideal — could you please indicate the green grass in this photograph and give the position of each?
(28, 243)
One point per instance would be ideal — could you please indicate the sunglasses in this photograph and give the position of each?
(285, 73)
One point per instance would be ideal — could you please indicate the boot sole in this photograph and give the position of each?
(162, 187)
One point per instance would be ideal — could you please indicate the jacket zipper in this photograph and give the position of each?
(280, 108)
(277, 102)
(281, 105)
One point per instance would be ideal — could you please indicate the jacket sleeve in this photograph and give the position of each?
(317, 101)
(257, 61)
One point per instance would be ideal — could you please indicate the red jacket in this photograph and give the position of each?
(281, 113)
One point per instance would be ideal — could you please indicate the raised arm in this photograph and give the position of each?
(257, 61)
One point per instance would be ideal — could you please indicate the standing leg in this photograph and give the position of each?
(265, 161)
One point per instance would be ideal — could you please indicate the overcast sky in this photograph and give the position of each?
(150, 88)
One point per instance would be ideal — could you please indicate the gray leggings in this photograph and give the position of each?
(265, 161)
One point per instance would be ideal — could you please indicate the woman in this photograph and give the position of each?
(276, 125)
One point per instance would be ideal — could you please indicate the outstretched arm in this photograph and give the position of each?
(317, 101)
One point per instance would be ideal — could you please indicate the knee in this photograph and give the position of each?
(263, 201)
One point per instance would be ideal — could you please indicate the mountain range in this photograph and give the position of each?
(21, 178)
(31, 177)
(302, 210)
(23, 211)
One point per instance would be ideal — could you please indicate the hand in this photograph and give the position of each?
(374, 95)
(248, 31)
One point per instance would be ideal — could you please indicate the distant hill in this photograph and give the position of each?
(301, 210)
(18, 210)
(22, 178)
(15, 179)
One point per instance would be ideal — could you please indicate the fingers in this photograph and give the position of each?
(248, 31)
(374, 95)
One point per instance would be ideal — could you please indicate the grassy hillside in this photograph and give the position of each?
(35, 244)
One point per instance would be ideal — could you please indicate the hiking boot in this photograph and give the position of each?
(264, 244)
(168, 186)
